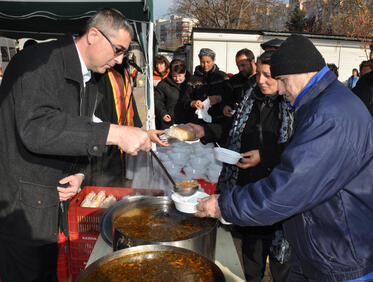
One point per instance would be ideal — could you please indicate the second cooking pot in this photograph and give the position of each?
(155, 220)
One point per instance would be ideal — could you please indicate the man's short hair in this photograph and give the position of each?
(109, 20)
(248, 53)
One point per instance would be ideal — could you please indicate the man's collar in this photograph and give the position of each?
(315, 79)
(85, 72)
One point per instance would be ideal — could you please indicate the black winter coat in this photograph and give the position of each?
(173, 99)
(212, 83)
(46, 123)
(238, 85)
(364, 90)
(261, 132)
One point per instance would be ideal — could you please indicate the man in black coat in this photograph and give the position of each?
(364, 90)
(241, 81)
(47, 100)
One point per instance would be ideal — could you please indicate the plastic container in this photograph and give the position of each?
(81, 246)
(227, 156)
(77, 265)
(187, 204)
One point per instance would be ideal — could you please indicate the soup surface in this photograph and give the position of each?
(158, 223)
(155, 266)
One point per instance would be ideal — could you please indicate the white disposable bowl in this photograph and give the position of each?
(188, 204)
(227, 156)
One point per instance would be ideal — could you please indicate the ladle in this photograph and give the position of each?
(163, 167)
(184, 191)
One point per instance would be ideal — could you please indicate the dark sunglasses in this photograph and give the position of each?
(117, 50)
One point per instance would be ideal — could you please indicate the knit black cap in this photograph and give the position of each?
(297, 54)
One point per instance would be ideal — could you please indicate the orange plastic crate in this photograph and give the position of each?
(77, 265)
(81, 246)
(87, 220)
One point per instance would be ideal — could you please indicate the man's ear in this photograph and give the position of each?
(92, 35)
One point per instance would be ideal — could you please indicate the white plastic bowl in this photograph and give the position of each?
(188, 204)
(227, 156)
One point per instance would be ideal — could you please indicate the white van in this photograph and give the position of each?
(8, 48)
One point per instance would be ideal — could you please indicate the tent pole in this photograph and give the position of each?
(150, 121)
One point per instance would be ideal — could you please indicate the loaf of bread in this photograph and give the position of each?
(108, 201)
(182, 132)
(87, 202)
(100, 197)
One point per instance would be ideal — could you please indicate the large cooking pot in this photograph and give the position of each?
(152, 263)
(155, 220)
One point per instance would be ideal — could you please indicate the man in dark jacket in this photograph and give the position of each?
(323, 184)
(47, 100)
(364, 90)
(241, 81)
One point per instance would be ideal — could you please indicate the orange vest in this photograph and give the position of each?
(158, 76)
(122, 91)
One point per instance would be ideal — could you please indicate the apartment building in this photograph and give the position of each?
(173, 32)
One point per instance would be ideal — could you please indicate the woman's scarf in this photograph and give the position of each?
(229, 174)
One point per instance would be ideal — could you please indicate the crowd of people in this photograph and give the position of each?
(301, 193)
(250, 116)
(320, 189)
(210, 95)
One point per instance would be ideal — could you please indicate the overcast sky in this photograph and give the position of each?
(161, 7)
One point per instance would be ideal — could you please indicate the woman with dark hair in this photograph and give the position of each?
(209, 82)
(161, 69)
(171, 96)
(259, 131)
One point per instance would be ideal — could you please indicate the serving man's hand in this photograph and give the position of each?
(154, 137)
(129, 139)
(74, 181)
(208, 207)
